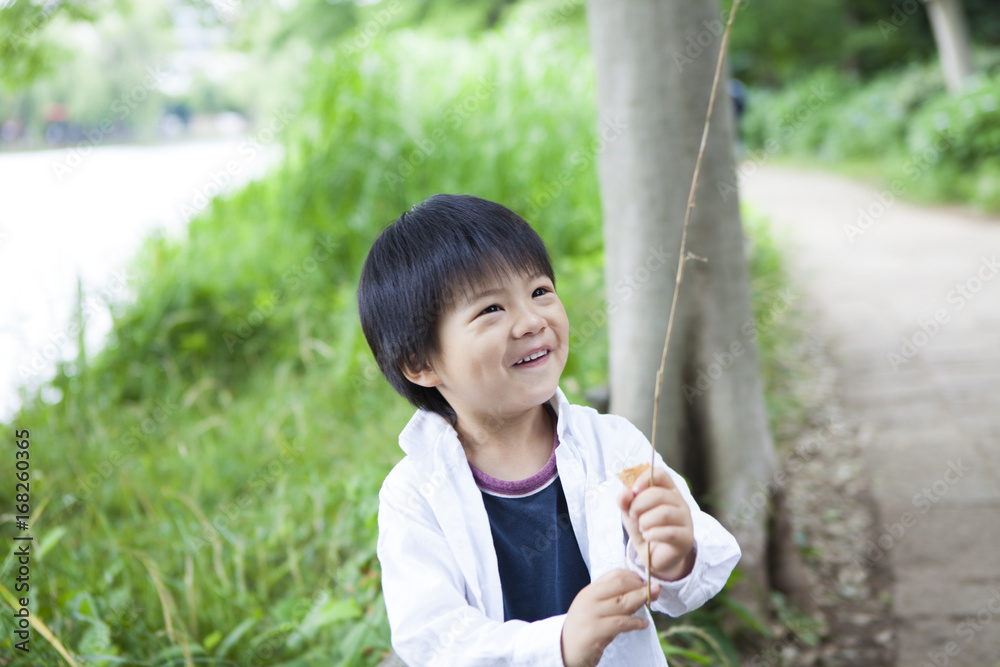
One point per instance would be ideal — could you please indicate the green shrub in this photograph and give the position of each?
(798, 118)
(875, 117)
(970, 123)
(936, 146)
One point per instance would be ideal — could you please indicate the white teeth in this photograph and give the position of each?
(532, 357)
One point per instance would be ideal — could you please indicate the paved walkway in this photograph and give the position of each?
(911, 298)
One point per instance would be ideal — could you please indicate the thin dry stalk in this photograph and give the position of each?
(682, 258)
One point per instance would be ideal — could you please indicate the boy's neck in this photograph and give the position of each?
(513, 448)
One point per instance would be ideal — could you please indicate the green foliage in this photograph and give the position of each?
(228, 444)
(25, 51)
(984, 21)
(779, 41)
(878, 114)
(958, 139)
(931, 145)
(775, 327)
(796, 119)
(110, 76)
(776, 42)
(704, 649)
(210, 478)
(707, 635)
(514, 134)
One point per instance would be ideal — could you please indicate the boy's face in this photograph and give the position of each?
(485, 336)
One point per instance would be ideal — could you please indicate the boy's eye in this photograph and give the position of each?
(490, 309)
(540, 291)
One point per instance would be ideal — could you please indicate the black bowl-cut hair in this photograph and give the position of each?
(421, 263)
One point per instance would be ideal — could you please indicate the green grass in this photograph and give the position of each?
(206, 488)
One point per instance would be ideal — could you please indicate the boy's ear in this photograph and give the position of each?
(423, 374)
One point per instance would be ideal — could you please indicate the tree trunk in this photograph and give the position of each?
(655, 63)
(952, 36)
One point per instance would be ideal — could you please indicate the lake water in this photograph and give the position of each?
(66, 215)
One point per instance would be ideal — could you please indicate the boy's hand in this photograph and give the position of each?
(599, 613)
(659, 515)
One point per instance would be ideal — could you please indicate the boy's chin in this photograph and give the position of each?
(542, 394)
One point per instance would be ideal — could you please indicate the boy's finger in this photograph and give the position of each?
(655, 497)
(637, 598)
(660, 515)
(660, 478)
(627, 602)
(631, 525)
(616, 582)
(625, 500)
(619, 623)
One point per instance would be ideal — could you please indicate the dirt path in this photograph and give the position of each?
(910, 297)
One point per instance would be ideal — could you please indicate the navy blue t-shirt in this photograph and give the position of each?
(541, 568)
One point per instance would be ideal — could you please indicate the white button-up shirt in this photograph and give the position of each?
(440, 578)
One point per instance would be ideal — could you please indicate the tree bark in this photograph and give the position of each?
(952, 36)
(655, 63)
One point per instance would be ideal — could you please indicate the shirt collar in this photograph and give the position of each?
(428, 430)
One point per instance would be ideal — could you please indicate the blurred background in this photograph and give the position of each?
(187, 191)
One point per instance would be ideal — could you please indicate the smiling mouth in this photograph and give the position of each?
(534, 356)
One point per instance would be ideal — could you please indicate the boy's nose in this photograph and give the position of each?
(527, 322)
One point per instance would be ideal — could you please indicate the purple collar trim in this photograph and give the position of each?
(521, 487)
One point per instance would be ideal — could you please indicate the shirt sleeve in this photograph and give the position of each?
(716, 554)
(430, 620)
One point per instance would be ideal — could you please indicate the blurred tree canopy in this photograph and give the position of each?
(48, 57)
(775, 41)
(25, 51)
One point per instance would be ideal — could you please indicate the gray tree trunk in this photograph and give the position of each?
(655, 63)
(952, 36)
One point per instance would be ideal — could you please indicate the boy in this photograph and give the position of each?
(505, 536)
